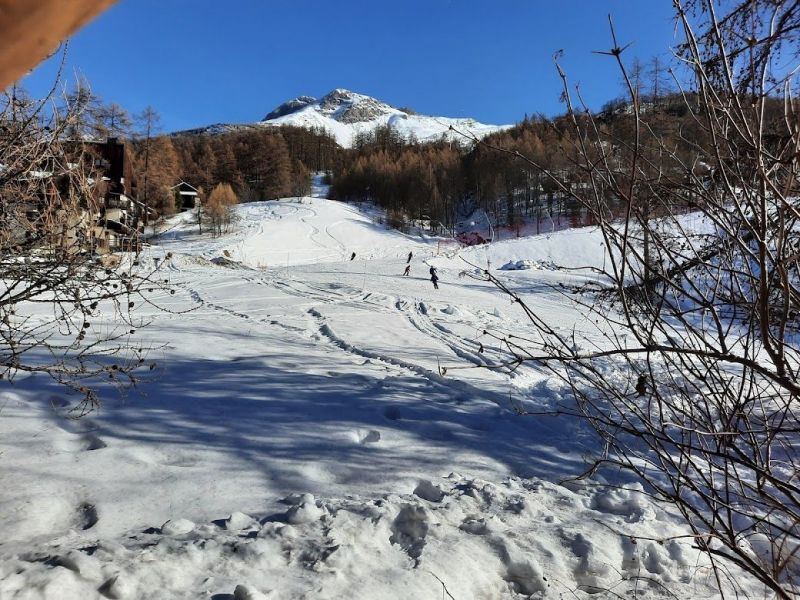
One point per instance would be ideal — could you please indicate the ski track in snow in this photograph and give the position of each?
(328, 333)
(417, 317)
(335, 240)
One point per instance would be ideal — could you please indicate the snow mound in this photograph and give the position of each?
(570, 248)
(470, 537)
(526, 265)
(178, 527)
(519, 265)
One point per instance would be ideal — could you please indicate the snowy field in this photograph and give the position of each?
(297, 438)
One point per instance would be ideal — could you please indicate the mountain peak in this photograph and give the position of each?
(342, 92)
(349, 107)
(341, 105)
(290, 107)
(345, 114)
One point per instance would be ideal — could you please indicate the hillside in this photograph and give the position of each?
(298, 438)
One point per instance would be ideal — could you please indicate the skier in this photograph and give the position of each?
(408, 260)
(407, 272)
(353, 256)
(434, 278)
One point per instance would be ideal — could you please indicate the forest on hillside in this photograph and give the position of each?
(527, 172)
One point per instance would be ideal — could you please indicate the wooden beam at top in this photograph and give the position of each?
(32, 29)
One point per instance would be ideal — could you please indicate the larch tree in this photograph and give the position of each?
(218, 208)
(160, 175)
(148, 124)
(113, 121)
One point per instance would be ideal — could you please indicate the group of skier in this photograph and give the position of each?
(407, 271)
(432, 271)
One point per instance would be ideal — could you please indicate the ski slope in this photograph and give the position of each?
(300, 439)
(291, 232)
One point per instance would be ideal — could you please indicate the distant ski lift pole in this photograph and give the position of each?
(488, 223)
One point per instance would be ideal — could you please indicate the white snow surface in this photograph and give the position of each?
(297, 438)
(344, 114)
(293, 231)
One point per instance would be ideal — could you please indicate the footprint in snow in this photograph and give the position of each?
(57, 402)
(392, 413)
(409, 530)
(80, 436)
(87, 516)
(179, 460)
(79, 443)
(94, 443)
(164, 458)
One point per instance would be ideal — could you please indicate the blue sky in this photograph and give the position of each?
(206, 61)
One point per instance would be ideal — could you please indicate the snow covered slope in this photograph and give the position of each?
(344, 114)
(297, 439)
(294, 231)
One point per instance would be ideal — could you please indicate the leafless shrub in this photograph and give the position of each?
(66, 311)
(690, 375)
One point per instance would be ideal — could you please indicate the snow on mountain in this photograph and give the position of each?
(345, 114)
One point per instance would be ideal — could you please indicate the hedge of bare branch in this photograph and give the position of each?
(691, 375)
(65, 310)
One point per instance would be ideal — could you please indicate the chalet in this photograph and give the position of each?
(116, 216)
(87, 187)
(186, 196)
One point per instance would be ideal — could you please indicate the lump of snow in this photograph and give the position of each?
(62, 583)
(454, 310)
(474, 526)
(178, 527)
(117, 588)
(238, 521)
(112, 548)
(519, 265)
(629, 503)
(364, 436)
(243, 592)
(429, 491)
(371, 437)
(297, 499)
(305, 511)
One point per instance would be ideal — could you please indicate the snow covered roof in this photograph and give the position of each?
(192, 191)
